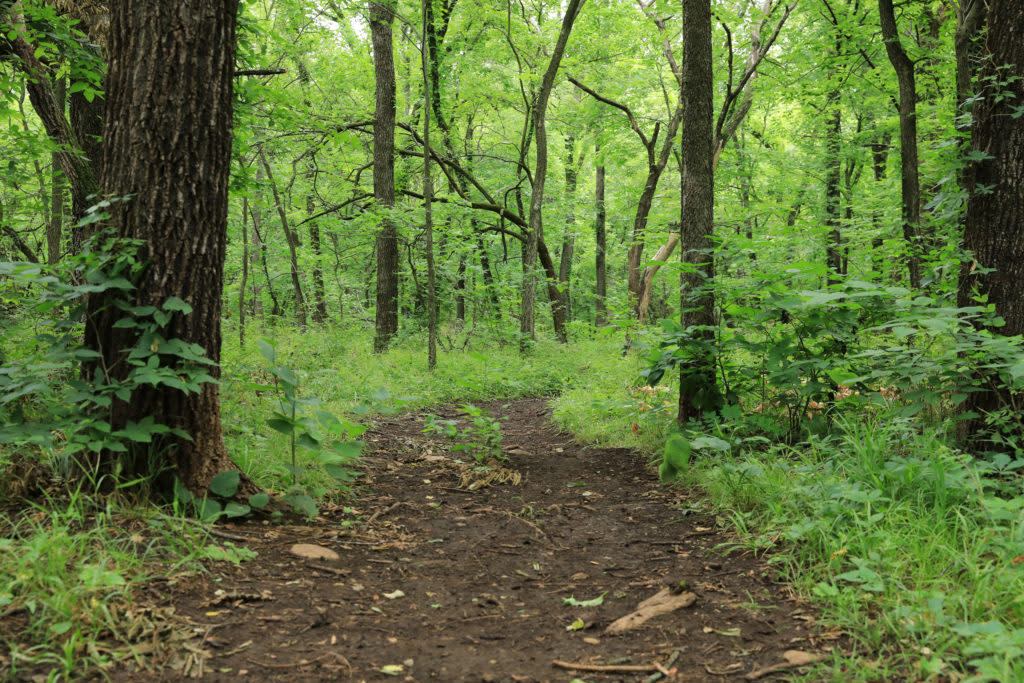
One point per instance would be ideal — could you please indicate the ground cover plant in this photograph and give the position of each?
(288, 305)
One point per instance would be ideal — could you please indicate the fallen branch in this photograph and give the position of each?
(613, 668)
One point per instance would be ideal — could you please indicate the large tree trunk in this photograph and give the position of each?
(601, 286)
(995, 215)
(381, 17)
(697, 388)
(428, 190)
(171, 66)
(910, 182)
(54, 227)
(535, 230)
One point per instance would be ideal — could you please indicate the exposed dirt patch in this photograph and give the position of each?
(445, 584)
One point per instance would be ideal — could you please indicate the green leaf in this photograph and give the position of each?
(300, 502)
(236, 510)
(267, 349)
(182, 494)
(283, 425)
(571, 601)
(259, 500)
(677, 451)
(209, 510)
(307, 442)
(349, 450)
(225, 484)
(340, 473)
(176, 304)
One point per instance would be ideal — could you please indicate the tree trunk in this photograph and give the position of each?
(833, 170)
(319, 300)
(54, 227)
(910, 183)
(428, 193)
(245, 272)
(293, 243)
(995, 210)
(171, 65)
(569, 235)
(381, 18)
(601, 286)
(535, 230)
(698, 391)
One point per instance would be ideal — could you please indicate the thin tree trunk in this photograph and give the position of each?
(319, 300)
(601, 285)
(833, 171)
(569, 235)
(428, 195)
(290, 238)
(54, 227)
(245, 272)
(535, 231)
(381, 18)
(910, 182)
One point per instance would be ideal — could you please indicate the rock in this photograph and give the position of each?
(313, 552)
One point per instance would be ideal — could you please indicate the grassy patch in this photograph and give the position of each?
(913, 548)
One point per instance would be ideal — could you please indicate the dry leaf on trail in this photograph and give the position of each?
(794, 658)
(313, 552)
(662, 602)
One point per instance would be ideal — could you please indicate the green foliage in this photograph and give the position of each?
(480, 438)
(330, 441)
(47, 404)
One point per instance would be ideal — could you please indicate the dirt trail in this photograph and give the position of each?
(453, 585)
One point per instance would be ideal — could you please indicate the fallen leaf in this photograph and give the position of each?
(577, 625)
(801, 658)
(571, 601)
(592, 641)
(394, 595)
(313, 552)
(392, 669)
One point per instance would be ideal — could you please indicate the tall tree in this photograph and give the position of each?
(995, 210)
(171, 66)
(600, 239)
(910, 180)
(428, 192)
(381, 17)
(697, 389)
(540, 136)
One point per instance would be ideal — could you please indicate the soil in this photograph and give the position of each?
(437, 582)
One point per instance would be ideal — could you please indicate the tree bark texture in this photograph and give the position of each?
(319, 295)
(535, 229)
(909, 180)
(293, 243)
(428, 191)
(833, 144)
(697, 390)
(381, 18)
(995, 209)
(55, 224)
(167, 145)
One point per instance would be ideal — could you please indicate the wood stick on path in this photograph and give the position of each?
(617, 668)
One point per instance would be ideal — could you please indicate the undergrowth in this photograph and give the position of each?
(912, 547)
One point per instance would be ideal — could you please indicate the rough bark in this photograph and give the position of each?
(697, 391)
(245, 272)
(535, 229)
(995, 209)
(171, 66)
(381, 18)
(909, 180)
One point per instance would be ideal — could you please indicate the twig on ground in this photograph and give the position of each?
(613, 668)
(665, 671)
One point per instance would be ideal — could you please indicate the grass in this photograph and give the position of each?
(912, 547)
(71, 576)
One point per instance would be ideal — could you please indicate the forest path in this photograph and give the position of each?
(452, 585)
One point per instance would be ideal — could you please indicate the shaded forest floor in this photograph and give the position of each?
(440, 583)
